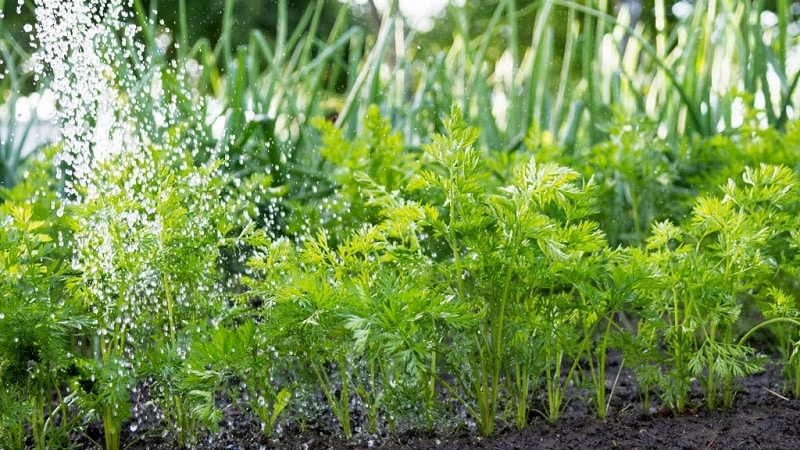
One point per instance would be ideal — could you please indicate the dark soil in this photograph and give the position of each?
(761, 418)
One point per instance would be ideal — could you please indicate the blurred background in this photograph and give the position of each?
(569, 69)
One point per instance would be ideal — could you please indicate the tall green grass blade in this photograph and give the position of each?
(183, 31)
(692, 107)
(13, 135)
(513, 126)
(338, 65)
(281, 32)
(564, 76)
(370, 69)
(308, 27)
(224, 51)
(588, 66)
(144, 19)
(538, 67)
(475, 83)
(783, 34)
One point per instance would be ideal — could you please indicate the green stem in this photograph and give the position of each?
(554, 394)
(111, 428)
(170, 310)
(797, 379)
(340, 408)
(711, 392)
(37, 422)
(452, 198)
(727, 380)
(765, 323)
(497, 332)
(614, 386)
(522, 385)
(452, 391)
(481, 386)
(371, 401)
(344, 399)
(432, 382)
(677, 344)
(599, 374)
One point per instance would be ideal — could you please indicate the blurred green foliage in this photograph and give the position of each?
(204, 17)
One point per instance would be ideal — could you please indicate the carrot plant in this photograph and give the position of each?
(530, 237)
(148, 253)
(534, 230)
(40, 320)
(398, 273)
(237, 362)
(705, 273)
(36, 328)
(638, 174)
(783, 318)
(769, 201)
(371, 251)
(335, 201)
(359, 315)
(302, 307)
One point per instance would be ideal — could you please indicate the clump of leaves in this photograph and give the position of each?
(337, 203)
(148, 234)
(523, 258)
(770, 198)
(360, 316)
(702, 275)
(235, 362)
(638, 177)
(782, 314)
(418, 283)
(38, 317)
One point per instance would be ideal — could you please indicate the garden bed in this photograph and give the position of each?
(761, 419)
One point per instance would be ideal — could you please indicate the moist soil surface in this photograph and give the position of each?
(761, 418)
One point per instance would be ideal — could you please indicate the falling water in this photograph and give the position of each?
(120, 129)
(109, 88)
(74, 39)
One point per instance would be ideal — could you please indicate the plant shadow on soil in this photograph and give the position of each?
(761, 418)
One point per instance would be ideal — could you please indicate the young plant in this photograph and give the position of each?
(783, 319)
(361, 305)
(637, 173)
(770, 198)
(38, 322)
(148, 251)
(384, 332)
(534, 234)
(235, 362)
(612, 288)
(302, 308)
(706, 273)
(377, 152)
(768, 201)
(399, 314)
